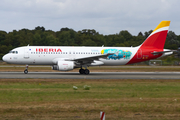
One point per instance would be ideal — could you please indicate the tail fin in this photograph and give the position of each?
(158, 37)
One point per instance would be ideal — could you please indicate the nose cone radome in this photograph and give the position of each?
(4, 58)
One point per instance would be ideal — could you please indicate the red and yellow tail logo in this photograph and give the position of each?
(158, 37)
(163, 25)
(155, 42)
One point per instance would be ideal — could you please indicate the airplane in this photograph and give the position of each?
(65, 58)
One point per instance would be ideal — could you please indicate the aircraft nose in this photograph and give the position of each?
(4, 58)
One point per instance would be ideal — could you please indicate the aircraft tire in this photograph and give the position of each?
(86, 71)
(25, 71)
(81, 71)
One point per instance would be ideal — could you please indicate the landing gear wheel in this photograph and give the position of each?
(25, 71)
(81, 71)
(86, 71)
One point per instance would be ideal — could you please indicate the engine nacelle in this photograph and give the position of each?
(63, 66)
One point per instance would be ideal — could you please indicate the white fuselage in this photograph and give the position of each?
(48, 55)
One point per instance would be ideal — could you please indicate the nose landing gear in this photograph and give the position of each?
(26, 70)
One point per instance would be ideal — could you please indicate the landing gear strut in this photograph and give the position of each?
(26, 70)
(84, 71)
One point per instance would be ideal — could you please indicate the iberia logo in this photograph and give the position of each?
(48, 50)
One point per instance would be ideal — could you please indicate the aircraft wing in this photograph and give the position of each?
(91, 58)
(83, 60)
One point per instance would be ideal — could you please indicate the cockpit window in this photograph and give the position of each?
(13, 52)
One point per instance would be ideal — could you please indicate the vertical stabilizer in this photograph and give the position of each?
(158, 37)
(154, 43)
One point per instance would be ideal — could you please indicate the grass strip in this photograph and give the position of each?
(119, 99)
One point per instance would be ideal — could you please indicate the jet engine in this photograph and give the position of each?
(63, 66)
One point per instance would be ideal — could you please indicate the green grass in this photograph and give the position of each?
(54, 91)
(56, 99)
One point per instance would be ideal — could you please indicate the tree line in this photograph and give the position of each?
(68, 37)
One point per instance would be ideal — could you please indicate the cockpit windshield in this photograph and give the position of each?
(13, 52)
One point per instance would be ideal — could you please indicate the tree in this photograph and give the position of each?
(52, 41)
(37, 39)
(4, 49)
(40, 28)
(66, 39)
(88, 42)
(2, 36)
(64, 29)
(146, 34)
(126, 35)
(140, 34)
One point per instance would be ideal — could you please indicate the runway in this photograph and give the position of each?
(93, 75)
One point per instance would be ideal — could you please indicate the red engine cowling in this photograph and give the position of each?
(63, 66)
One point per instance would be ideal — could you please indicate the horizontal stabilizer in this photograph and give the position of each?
(162, 52)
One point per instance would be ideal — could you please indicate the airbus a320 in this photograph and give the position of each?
(65, 58)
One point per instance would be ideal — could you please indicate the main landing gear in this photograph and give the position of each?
(26, 70)
(84, 71)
